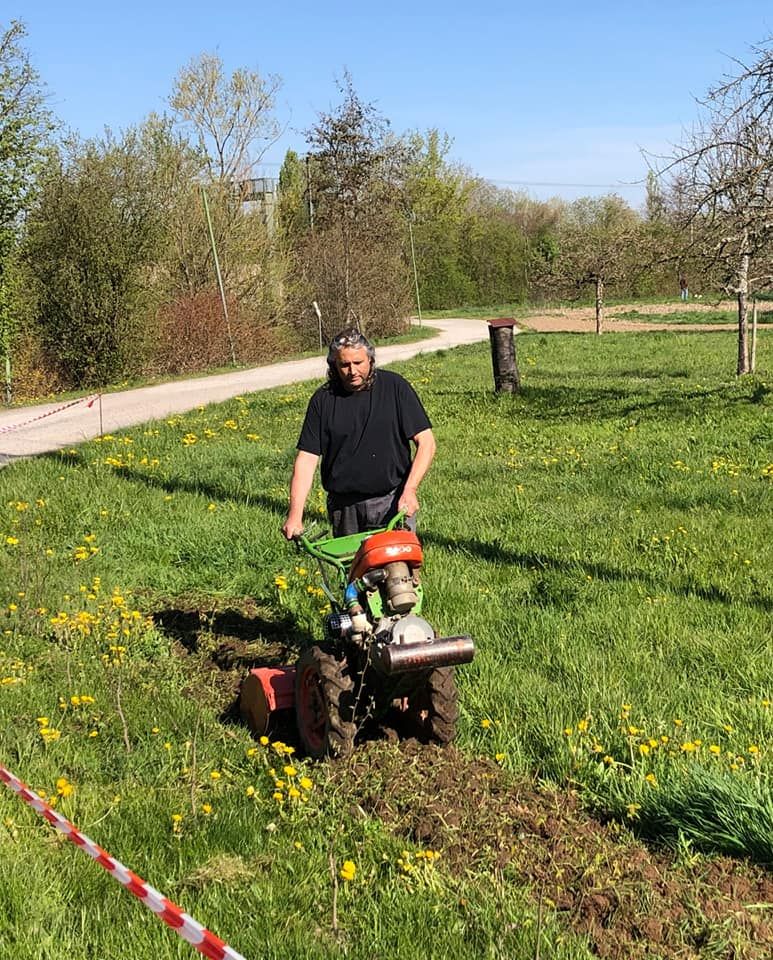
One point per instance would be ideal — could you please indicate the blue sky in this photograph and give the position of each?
(537, 96)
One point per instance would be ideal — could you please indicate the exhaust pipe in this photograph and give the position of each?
(443, 652)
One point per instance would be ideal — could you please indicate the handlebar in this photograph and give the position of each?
(312, 545)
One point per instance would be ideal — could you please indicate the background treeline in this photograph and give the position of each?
(155, 251)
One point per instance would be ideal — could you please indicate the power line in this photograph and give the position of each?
(587, 186)
(620, 185)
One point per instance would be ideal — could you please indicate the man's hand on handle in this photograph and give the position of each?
(408, 502)
(292, 528)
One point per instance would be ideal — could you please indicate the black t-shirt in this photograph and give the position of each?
(363, 437)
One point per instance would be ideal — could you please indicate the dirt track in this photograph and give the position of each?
(583, 319)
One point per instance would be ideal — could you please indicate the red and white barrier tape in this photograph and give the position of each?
(183, 925)
(42, 416)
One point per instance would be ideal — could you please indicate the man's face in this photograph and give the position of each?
(353, 366)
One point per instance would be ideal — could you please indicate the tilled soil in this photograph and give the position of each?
(628, 900)
(583, 319)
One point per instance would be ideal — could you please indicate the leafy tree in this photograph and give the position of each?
(293, 203)
(93, 239)
(24, 126)
(495, 248)
(437, 197)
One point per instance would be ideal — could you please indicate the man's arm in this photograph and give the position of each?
(425, 452)
(300, 485)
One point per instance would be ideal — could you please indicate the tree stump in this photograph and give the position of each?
(506, 376)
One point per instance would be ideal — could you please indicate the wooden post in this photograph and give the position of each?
(599, 305)
(506, 376)
(753, 363)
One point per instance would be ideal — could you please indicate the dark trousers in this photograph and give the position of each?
(349, 515)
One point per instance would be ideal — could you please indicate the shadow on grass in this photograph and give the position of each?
(497, 553)
(486, 551)
(213, 491)
(566, 403)
(246, 641)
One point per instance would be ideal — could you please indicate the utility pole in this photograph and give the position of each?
(219, 275)
(413, 258)
(308, 193)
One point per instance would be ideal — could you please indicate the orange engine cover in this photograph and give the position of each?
(384, 548)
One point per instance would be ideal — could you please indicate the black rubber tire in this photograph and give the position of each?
(324, 703)
(435, 708)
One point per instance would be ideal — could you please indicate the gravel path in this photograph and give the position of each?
(26, 431)
(46, 427)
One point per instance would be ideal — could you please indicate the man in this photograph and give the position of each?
(361, 424)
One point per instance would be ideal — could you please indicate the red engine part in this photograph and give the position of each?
(384, 548)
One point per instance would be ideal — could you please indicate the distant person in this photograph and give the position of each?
(684, 293)
(361, 424)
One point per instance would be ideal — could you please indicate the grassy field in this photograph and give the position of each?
(605, 536)
(764, 316)
(521, 310)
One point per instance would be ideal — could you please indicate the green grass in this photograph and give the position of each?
(605, 536)
(525, 309)
(476, 313)
(691, 316)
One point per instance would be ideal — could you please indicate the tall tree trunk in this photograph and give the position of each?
(599, 304)
(743, 292)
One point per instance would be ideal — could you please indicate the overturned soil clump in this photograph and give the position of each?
(628, 900)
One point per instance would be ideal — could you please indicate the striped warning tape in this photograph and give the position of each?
(50, 413)
(183, 925)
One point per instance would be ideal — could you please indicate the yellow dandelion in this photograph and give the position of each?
(63, 787)
(348, 871)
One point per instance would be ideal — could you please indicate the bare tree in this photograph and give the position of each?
(232, 117)
(722, 176)
(352, 263)
(599, 243)
(231, 122)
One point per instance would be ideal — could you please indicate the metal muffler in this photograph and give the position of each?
(395, 658)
